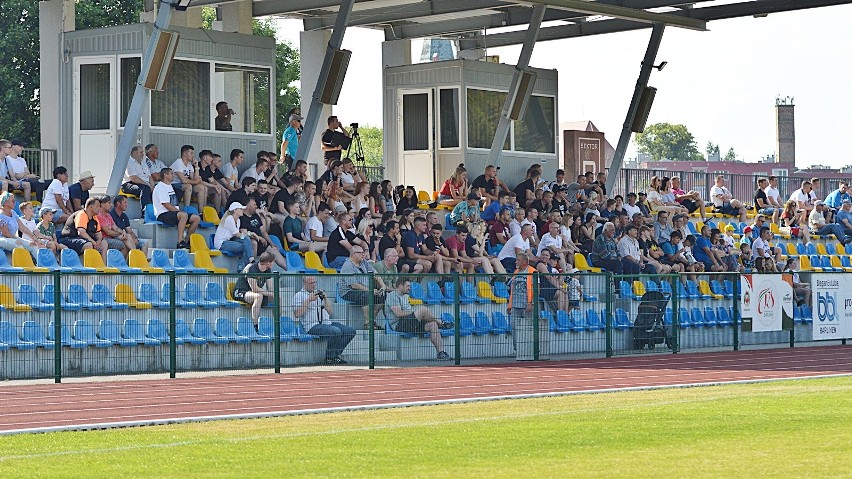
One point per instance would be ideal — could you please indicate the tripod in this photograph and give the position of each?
(356, 145)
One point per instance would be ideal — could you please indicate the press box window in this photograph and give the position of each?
(247, 92)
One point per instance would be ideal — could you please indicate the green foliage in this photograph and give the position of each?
(106, 13)
(731, 155)
(19, 71)
(371, 141)
(711, 149)
(673, 142)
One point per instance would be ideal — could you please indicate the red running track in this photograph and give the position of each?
(51, 407)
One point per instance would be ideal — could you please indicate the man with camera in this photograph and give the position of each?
(334, 140)
(313, 308)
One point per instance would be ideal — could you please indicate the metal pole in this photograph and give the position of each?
(140, 98)
(675, 315)
(610, 310)
(457, 322)
(311, 123)
(57, 327)
(371, 333)
(523, 63)
(736, 315)
(172, 327)
(535, 318)
(641, 83)
(276, 305)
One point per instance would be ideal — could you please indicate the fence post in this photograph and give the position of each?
(675, 315)
(371, 330)
(172, 327)
(793, 334)
(610, 311)
(736, 310)
(535, 318)
(57, 327)
(276, 306)
(457, 315)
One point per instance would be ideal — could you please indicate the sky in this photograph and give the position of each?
(722, 84)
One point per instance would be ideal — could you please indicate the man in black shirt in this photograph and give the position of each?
(334, 171)
(486, 184)
(285, 195)
(601, 183)
(341, 240)
(243, 194)
(253, 224)
(436, 244)
(390, 238)
(545, 204)
(560, 200)
(334, 140)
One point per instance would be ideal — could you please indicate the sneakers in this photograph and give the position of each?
(336, 361)
(443, 356)
(182, 245)
(446, 325)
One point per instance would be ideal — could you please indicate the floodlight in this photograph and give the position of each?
(181, 5)
(661, 66)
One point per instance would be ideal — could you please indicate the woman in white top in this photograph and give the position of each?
(56, 195)
(655, 199)
(362, 198)
(229, 239)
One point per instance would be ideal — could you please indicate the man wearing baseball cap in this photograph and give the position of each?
(228, 237)
(818, 226)
(78, 193)
(290, 141)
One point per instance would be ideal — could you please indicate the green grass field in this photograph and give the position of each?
(782, 429)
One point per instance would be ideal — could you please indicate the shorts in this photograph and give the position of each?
(76, 244)
(727, 209)
(548, 293)
(115, 243)
(404, 261)
(410, 324)
(169, 218)
(690, 205)
(362, 298)
(574, 303)
(241, 297)
(178, 187)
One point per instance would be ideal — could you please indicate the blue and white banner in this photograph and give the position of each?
(832, 306)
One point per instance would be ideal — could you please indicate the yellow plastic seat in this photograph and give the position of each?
(836, 263)
(583, 265)
(805, 263)
(313, 261)
(721, 225)
(423, 200)
(93, 259)
(229, 290)
(791, 250)
(483, 288)
(820, 247)
(7, 300)
(839, 250)
(127, 195)
(124, 294)
(203, 260)
(137, 259)
(21, 259)
(414, 302)
(638, 288)
(777, 232)
(210, 215)
(197, 243)
(704, 288)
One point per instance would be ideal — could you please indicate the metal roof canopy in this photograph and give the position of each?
(466, 19)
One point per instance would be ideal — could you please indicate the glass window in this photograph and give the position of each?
(483, 114)
(94, 96)
(185, 102)
(449, 108)
(246, 92)
(535, 131)
(130, 68)
(415, 121)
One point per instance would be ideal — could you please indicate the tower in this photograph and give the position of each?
(785, 131)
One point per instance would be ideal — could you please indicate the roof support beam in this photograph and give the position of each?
(523, 62)
(596, 8)
(386, 15)
(641, 83)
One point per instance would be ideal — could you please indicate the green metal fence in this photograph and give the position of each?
(58, 324)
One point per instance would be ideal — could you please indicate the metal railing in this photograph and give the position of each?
(110, 324)
(41, 162)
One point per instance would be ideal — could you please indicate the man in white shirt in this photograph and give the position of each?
(350, 176)
(313, 308)
(152, 160)
(725, 202)
(773, 196)
(57, 196)
(137, 177)
(519, 243)
(315, 224)
(19, 173)
(760, 247)
(231, 169)
(555, 243)
(257, 171)
(630, 207)
(166, 211)
(628, 250)
(818, 226)
(802, 197)
(186, 178)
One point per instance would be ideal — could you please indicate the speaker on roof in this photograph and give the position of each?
(161, 61)
(643, 110)
(330, 91)
(521, 95)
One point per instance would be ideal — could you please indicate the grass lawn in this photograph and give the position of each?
(783, 429)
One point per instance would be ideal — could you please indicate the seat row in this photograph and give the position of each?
(155, 333)
(701, 289)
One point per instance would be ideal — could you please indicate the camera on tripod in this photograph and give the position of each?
(354, 128)
(355, 146)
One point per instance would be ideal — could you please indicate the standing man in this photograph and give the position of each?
(313, 308)
(334, 140)
(223, 117)
(290, 141)
(165, 201)
(186, 179)
(520, 307)
(137, 177)
(773, 197)
(78, 193)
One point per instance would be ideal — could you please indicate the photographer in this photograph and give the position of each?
(334, 140)
(314, 310)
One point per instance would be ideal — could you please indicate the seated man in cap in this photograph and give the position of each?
(466, 212)
(78, 193)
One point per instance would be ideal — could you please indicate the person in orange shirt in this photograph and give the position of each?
(82, 230)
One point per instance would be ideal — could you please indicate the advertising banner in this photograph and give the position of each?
(767, 300)
(832, 306)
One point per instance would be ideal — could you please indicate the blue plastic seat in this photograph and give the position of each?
(184, 336)
(116, 260)
(294, 330)
(848, 248)
(108, 331)
(225, 329)
(807, 314)
(434, 295)
(448, 318)
(133, 332)
(589, 297)
(466, 324)
(27, 294)
(482, 325)
(5, 266)
(417, 291)
(622, 321)
(183, 262)
(338, 298)
(78, 295)
(201, 329)
(651, 285)
(296, 264)
(548, 316)
(101, 294)
(697, 317)
(667, 317)
(276, 241)
(192, 294)
(71, 261)
(665, 288)
(245, 329)
(180, 302)
(216, 294)
(266, 328)
(844, 261)
(9, 336)
(85, 331)
(625, 289)
(500, 323)
(156, 330)
(67, 339)
(729, 288)
(722, 317)
(32, 332)
(160, 259)
(810, 249)
(710, 317)
(151, 218)
(593, 321)
(46, 259)
(717, 288)
(801, 249)
(694, 293)
(148, 294)
(683, 318)
(561, 323)
(191, 210)
(501, 290)
(469, 295)
(692, 229)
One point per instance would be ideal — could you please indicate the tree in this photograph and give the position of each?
(371, 141)
(672, 142)
(711, 150)
(731, 155)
